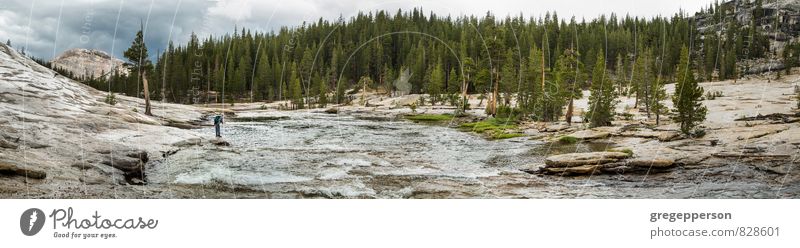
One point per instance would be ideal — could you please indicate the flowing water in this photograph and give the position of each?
(339, 156)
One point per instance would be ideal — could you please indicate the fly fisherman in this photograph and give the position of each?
(217, 123)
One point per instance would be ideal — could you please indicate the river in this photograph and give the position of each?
(317, 155)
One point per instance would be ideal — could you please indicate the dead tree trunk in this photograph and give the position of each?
(568, 116)
(146, 95)
(464, 100)
(493, 107)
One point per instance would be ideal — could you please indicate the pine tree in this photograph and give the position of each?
(363, 84)
(246, 65)
(798, 97)
(601, 100)
(386, 79)
(788, 57)
(570, 77)
(620, 76)
(689, 110)
(710, 51)
(323, 94)
(436, 82)
(241, 75)
(137, 56)
(643, 76)
(340, 88)
(295, 89)
(453, 85)
(509, 79)
(305, 69)
(263, 76)
(230, 79)
(658, 94)
(534, 83)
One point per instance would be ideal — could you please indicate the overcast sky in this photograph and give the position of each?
(47, 28)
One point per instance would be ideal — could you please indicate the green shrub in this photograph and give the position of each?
(626, 116)
(697, 133)
(111, 99)
(711, 95)
(453, 99)
(505, 111)
(464, 103)
(413, 107)
(797, 91)
(798, 100)
(567, 139)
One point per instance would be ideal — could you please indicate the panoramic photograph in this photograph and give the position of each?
(399, 100)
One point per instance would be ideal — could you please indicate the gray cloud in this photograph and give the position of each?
(92, 23)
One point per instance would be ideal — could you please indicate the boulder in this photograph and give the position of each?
(82, 165)
(94, 177)
(579, 159)
(555, 128)
(650, 162)
(36, 145)
(577, 170)
(131, 162)
(189, 142)
(754, 148)
(332, 111)
(219, 142)
(532, 168)
(668, 136)
(124, 163)
(13, 169)
(7, 144)
(765, 67)
(182, 124)
(138, 154)
(589, 134)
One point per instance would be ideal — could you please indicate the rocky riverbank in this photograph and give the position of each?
(61, 139)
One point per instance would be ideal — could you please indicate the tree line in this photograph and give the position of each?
(537, 66)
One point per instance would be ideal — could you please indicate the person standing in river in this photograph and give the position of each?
(217, 125)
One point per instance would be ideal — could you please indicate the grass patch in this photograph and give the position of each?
(494, 128)
(430, 117)
(490, 125)
(506, 135)
(567, 140)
